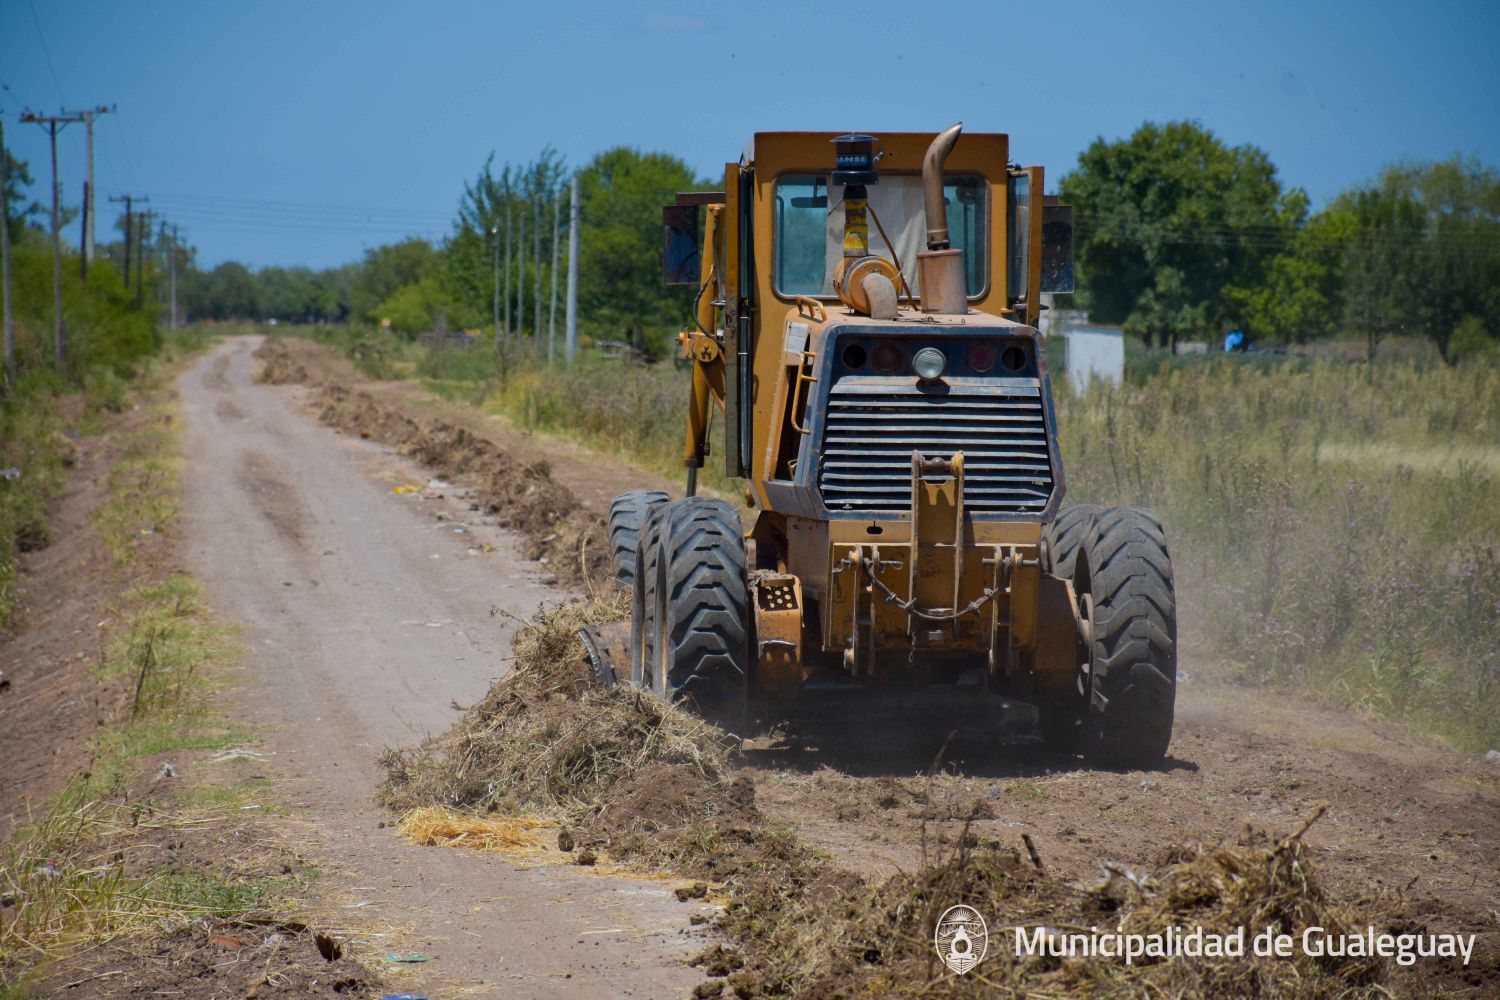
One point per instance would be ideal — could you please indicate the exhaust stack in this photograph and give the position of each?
(940, 268)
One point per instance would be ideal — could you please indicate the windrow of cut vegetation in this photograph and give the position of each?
(624, 775)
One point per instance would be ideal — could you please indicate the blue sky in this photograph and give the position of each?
(283, 133)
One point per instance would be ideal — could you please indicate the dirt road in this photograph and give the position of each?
(367, 618)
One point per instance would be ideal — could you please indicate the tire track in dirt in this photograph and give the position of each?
(273, 496)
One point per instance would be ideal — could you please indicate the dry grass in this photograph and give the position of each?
(435, 826)
(1333, 527)
(542, 739)
(830, 934)
(621, 771)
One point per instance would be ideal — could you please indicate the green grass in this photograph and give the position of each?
(217, 797)
(1026, 790)
(70, 873)
(138, 507)
(33, 446)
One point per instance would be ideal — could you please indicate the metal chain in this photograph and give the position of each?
(910, 607)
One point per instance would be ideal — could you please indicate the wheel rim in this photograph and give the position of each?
(1086, 663)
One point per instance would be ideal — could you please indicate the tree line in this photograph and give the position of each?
(1178, 234)
(502, 266)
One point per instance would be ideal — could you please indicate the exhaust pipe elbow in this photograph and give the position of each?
(932, 186)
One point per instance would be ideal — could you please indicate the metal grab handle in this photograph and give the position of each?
(798, 392)
(810, 308)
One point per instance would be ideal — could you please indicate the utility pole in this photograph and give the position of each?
(552, 309)
(129, 201)
(87, 116)
(510, 226)
(174, 275)
(83, 236)
(495, 254)
(536, 257)
(572, 268)
(521, 275)
(53, 123)
(10, 319)
(144, 228)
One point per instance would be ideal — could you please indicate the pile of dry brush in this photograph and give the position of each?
(648, 782)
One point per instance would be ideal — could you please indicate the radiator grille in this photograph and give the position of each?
(873, 426)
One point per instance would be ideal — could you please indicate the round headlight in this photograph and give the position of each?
(930, 363)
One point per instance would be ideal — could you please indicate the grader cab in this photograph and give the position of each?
(865, 322)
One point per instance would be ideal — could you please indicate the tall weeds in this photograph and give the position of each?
(1335, 526)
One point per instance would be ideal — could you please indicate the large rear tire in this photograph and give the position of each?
(627, 516)
(701, 623)
(1130, 685)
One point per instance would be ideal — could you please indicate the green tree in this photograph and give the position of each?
(1426, 251)
(419, 307)
(387, 268)
(1174, 228)
(621, 294)
(226, 292)
(17, 210)
(518, 196)
(1301, 297)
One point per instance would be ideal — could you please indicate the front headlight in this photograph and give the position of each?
(930, 363)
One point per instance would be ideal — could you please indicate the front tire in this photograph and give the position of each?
(643, 603)
(627, 517)
(701, 630)
(1061, 723)
(1130, 685)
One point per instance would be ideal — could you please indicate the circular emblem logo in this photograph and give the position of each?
(961, 938)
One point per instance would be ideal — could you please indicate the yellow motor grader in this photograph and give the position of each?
(865, 321)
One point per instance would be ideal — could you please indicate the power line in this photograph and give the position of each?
(325, 208)
(48, 55)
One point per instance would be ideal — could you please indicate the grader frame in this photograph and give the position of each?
(891, 415)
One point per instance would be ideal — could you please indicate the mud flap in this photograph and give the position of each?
(608, 649)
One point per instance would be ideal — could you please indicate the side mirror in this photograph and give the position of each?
(681, 256)
(1057, 248)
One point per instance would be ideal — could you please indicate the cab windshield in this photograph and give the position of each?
(809, 230)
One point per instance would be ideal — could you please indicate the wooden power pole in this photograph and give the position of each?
(144, 228)
(552, 307)
(87, 116)
(536, 257)
(53, 124)
(521, 273)
(572, 268)
(510, 229)
(10, 316)
(129, 200)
